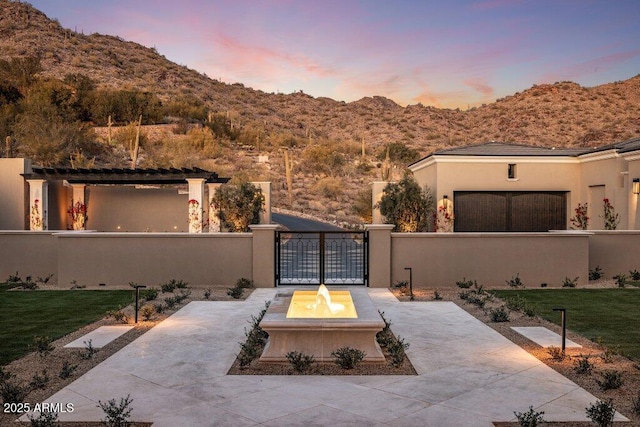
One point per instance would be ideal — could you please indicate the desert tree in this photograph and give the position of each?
(238, 205)
(407, 206)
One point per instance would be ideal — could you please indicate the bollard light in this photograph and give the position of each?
(137, 287)
(563, 314)
(410, 283)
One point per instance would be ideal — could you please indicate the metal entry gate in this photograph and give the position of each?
(329, 257)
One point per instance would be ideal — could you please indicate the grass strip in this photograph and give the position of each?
(25, 314)
(612, 315)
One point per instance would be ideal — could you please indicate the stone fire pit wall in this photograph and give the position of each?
(320, 337)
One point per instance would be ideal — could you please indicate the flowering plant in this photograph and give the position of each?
(611, 218)
(78, 213)
(443, 219)
(35, 219)
(214, 218)
(580, 221)
(195, 218)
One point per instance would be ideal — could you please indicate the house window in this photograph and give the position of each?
(511, 173)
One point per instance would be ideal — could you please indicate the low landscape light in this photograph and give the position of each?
(635, 187)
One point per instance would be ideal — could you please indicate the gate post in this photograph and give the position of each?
(263, 255)
(379, 255)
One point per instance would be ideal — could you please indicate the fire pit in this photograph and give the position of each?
(318, 323)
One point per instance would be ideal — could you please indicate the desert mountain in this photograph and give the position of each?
(558, 114)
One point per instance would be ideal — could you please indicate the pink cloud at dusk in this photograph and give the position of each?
(451, 54)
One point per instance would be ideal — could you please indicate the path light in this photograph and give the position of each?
(635, 187)
(410, 282)
(137, 287)
(563, 313)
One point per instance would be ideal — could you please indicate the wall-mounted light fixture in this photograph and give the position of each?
(635, 186)
(445, 201)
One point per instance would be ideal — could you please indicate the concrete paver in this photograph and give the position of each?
(100, 336)
(544, 337)
(469, 375)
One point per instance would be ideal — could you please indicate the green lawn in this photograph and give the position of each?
(611, 314)
(25, 314)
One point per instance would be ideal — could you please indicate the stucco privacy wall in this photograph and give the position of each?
(29, 253)
(136, 209)
(615, 252)
(153, 258)
(441, 259)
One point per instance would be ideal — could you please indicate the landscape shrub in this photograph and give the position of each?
(207, 293)
(595, 274)
(582, 365)
(182, 295)
(531, 418)
(465, 284)
(570, 283)
(89, 350)
(12, 392)
(621, 280)
(611, 380)
(255, 339)
(235, 292)
(635, 275)
(515, 282)
(347, 357)
(556, 353)
(299, 361)
(437, 296)
(160, 307)
(244, 283)
(147, 311)
(42, 345)
(39, 381)
(170, 302)
(499, 314)
(117, 414)
(119, 315)
(396, 350)
(601, 413)
(45, 419)
(67, 370)
(149, 294)
(168, 287)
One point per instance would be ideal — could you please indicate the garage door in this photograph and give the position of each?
(510, 211)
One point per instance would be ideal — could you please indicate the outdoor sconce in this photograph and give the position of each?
(445, 201)
(635, 186)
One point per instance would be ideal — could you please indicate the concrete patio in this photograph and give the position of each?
(468, 375)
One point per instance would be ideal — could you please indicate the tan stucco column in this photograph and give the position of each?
(38, 204)
(214, 221)
(379, 255)
(265, 216)
(195, 204)
(264, 255)
(377, 188)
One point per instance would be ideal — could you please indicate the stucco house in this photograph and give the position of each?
(519, 188)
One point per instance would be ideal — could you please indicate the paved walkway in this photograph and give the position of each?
(469, 375)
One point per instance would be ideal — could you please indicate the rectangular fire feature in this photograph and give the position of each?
(320, 336)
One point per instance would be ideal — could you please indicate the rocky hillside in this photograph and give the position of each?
(558, 114)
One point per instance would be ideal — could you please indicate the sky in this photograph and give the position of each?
(442, 53)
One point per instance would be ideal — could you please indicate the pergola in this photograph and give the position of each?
(78, 179)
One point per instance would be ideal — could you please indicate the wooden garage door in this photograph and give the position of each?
(509, 211)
